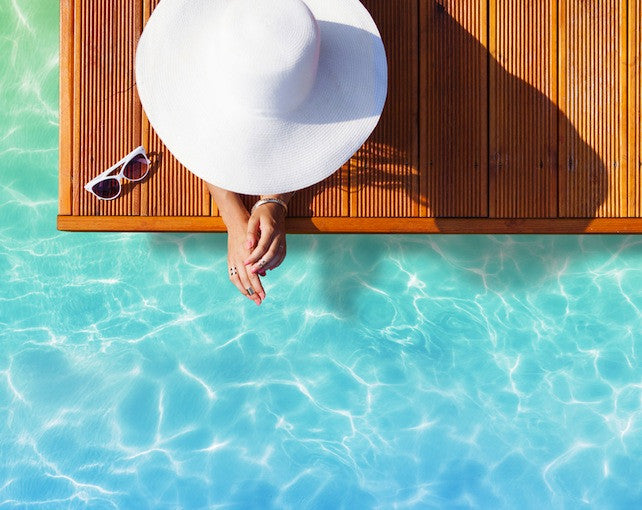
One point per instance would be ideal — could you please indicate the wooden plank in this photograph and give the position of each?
(453, 121)
(144, 126)
(592, 173)
(77, 105)
(523, 110)
(384, 178)
(172, 189)
(430, 155)
(635, 108)
(553, 95)
(65, 146)
(107, 112)
(330, 197)
(363, 225)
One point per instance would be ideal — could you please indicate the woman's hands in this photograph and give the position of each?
(266, 234)
(235, 216)
(255, 243)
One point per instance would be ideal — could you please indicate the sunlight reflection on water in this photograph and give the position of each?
(381, 371)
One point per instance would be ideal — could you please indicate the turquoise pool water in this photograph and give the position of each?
(381, 372)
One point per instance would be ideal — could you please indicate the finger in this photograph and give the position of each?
(255, 282)
(266, 259)
(267, 233)
(244, 284)
(235, 278)
(253, 233)
(248, 288)
(281, 255)
(261, 248)
(276, 262)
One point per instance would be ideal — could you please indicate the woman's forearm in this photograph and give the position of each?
(230, 206)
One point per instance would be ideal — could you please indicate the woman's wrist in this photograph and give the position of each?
(236, 220)
(278, 200)
(269, 202)
(280, 196)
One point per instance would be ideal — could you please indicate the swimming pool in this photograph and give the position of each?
(381, 371)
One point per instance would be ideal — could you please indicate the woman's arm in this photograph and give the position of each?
(236, 217)
(266, 234)
(230, 206)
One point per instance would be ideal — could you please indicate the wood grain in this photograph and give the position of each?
(107, 112)
(592, 170)
(324, 225)
(523, 110)
(634, 120)
(502, 116)
(454, 108)
(384, 173)
(66, 106)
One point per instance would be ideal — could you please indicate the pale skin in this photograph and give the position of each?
(255, 242)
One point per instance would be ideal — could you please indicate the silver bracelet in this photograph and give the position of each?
(269, 200)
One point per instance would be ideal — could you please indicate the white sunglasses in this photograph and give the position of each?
(135, 167)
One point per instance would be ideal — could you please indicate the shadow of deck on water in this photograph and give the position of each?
(472, 162)
(463, 171)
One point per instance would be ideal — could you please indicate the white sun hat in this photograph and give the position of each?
(262, 96)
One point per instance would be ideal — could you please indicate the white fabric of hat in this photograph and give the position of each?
(268, 78)
(262, 96)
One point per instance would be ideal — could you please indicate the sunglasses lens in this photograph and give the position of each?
(137, 168)
(108, 188)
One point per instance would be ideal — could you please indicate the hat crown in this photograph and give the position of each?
(269, 54)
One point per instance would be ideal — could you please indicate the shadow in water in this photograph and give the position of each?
(354, 268)
(459, 160)
(465, 173)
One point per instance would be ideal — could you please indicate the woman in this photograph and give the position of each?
(261, 97)
(255, 241)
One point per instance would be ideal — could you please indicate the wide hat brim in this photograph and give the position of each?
(177, 83)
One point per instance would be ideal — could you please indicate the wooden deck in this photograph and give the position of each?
(504, 116)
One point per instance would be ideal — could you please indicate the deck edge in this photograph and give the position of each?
(360, 225)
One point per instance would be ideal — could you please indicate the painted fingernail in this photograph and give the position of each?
(262, 294)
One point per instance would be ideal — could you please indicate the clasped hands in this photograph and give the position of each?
(255, 241)
(255, 245)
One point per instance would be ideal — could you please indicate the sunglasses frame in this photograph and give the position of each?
(121, 175)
